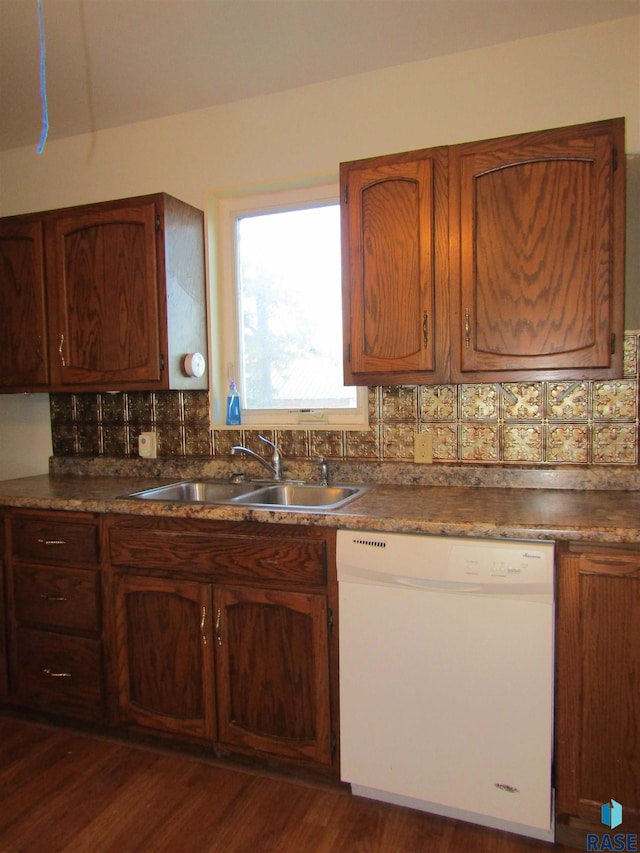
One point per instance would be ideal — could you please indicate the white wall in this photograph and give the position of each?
(565, 78)
(25, 435)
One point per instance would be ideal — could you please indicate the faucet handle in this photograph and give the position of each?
(276, 458)
(270, 443)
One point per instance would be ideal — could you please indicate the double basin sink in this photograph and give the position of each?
(273, 495)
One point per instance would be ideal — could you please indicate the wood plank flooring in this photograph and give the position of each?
(64, 791)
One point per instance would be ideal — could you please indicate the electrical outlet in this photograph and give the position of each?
(423, 447)
(147, 445)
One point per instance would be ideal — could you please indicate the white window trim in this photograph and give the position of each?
(223, 208)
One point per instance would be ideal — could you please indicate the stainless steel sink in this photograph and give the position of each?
(298, 496)
(195, 491)
(274, 495)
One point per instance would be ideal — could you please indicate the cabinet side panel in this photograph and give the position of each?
(186, 314)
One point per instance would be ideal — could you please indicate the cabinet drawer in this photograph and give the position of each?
(48, 540)
(290, 559)
(58, 673)
(64, 598)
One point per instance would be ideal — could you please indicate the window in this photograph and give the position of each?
(278, 311)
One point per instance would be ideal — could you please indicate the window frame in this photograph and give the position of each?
(224, 207)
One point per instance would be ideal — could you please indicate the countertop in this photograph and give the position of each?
(459, 510)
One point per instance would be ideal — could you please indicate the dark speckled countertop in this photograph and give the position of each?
(593, 514)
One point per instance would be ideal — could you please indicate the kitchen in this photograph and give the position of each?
(488, 93)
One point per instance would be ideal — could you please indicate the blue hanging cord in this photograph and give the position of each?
(43, 82)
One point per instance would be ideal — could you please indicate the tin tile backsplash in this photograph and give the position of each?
(518, 423)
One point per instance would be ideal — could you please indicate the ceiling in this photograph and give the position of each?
(114, 62)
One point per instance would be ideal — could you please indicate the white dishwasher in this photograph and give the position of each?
(446, 675)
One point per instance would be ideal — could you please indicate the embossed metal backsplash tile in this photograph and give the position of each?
(519, 423)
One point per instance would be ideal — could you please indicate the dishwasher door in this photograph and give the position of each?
(446, 682)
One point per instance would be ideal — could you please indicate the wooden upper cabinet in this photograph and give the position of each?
(492, 260)
(124, 291)
(537, 254)
(107, 306)
(394, 243)
(23, 336)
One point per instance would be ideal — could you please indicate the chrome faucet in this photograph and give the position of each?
(275, 468)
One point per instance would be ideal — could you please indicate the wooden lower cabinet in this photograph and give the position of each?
(165, 669)
(54, 614)
(273, 675)
(61, 673)
(223, 636)
(598, 689)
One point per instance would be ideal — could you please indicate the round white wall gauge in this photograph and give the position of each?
(194, 364)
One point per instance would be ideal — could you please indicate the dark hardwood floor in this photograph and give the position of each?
(63, 791)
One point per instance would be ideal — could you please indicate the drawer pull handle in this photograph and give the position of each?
(218, 631)
(52, 541)
(203, 622)
(54, 597)
(52, 674)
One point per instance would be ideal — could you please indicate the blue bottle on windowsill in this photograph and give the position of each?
(233, 406)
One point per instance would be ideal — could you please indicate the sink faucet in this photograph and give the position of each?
(275, 468)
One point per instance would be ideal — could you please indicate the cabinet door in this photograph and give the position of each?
(272, 664)
(598, 687)
(164, 655)
(395, 287)
(537, 254)
(103, 269)
(23, 344)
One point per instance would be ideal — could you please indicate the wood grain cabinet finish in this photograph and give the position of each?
(537, 263)
(165, 664)
(124, 294)
(23, 330)
(273, 677)
(598, 687)
(223, 634)
(487, 261)
(55, 614)
(395, 267)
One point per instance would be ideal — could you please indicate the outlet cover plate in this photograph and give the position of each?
(423, 447)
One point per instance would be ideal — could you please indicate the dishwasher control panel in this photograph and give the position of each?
(480, 565)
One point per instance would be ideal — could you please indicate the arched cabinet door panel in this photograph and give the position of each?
(537, 269)
(394, 236)
(272, 662)
(164, 657)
